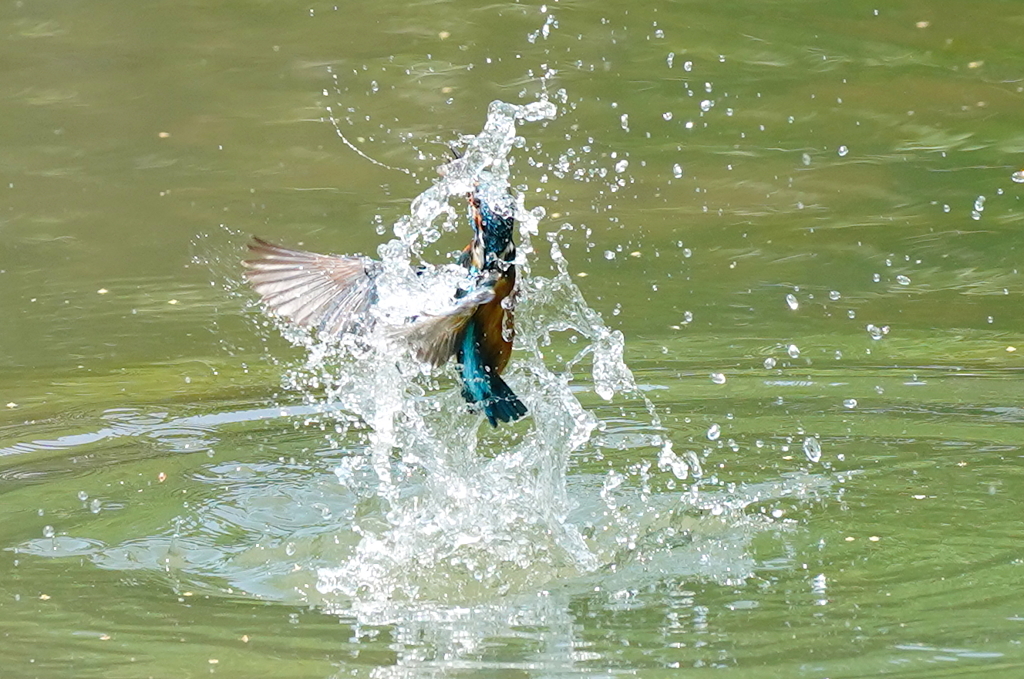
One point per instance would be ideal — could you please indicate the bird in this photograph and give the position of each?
(336, 294)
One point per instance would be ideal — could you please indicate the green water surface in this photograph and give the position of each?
(801, 215)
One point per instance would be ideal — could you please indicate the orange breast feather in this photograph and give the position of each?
(490, 320)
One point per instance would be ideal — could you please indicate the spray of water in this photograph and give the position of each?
(447, 510)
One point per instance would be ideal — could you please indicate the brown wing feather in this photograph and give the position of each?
(433, 337)
(328, 292)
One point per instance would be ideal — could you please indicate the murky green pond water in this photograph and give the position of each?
(802, 217)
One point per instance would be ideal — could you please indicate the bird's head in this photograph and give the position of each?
(493, 214)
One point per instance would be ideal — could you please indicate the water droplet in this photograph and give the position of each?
(687, 65)
(289, 549)
(875, 332)
(812, 449)
(834, 295)
(624, 121)
(677, 170)
(48, 532)
(769, 363)
(793, 351)
(850, 403)
(979, 207)
(667, 115)
(843, 151)
(608, 254)
(876, 277)
(612, 481)
(668, 460)
(83, 496)
(903, 280)
(687, 316)
(95, 506)
(1018, 176)
(706, 105)
(792, 302)
(621, 166)
(718, 378)
(851, 313)
(806, 158)
(714, 432)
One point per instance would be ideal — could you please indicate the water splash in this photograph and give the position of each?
(447, 512)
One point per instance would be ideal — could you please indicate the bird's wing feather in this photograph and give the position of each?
(328, 292)
(433, 337)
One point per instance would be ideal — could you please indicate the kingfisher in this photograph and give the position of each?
(335, 295)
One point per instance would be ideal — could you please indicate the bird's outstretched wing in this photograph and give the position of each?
(433, 337)
(328, 292)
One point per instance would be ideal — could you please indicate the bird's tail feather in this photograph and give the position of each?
(492, 395)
